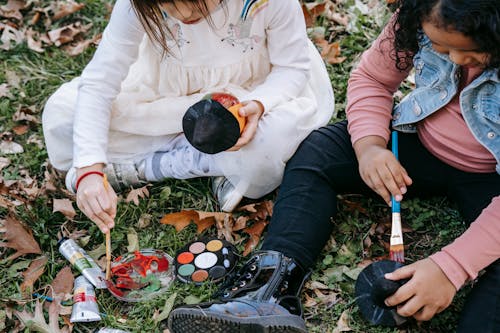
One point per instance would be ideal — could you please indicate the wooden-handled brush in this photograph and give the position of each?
(108, 238)
(397, 246)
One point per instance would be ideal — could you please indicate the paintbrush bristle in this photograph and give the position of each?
(396, 244)
(397, 253)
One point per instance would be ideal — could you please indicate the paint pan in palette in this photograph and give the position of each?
(208, 259)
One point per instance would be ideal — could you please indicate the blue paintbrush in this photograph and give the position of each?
(396, 252)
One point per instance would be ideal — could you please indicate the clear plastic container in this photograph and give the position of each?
(146, 268)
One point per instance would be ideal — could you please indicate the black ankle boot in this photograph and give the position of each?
(262, 297)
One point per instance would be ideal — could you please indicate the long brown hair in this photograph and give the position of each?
(151, 17)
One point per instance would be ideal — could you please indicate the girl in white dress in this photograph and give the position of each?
(123, 116)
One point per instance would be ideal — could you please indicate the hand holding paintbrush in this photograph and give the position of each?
(372, 288)
(396, 252)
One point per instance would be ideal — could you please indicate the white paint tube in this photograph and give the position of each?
(82, 262)
(85, 303)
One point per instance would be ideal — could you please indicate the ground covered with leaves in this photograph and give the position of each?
(45, 43)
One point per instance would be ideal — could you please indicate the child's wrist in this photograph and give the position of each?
(86, 174)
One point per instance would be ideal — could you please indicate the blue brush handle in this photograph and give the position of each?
(396, 205)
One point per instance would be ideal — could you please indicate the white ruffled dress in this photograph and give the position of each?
(129, 100)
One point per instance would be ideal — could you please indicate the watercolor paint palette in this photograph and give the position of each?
(209, 259)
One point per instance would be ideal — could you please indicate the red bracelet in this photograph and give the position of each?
(88, 173)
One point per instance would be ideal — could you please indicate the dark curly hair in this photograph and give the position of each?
(476, 19)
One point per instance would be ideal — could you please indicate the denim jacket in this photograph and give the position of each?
(437, 80)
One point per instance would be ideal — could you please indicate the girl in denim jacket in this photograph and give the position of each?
(449, 144)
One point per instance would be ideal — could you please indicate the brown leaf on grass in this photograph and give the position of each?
(241, 223)
(4, 90)
(31, 275)
(310, 302)
(10, 37)
(34, 41)
(220, 219)
(36, 321)
(62, 283)
(353, 206)
(10, 147)
(181, 219)
(225, 227)
(4, 162)
(64, 206)
(136, 193)
(18, 238)
(204, 224)
(312, 11)
(67, 33)
(27, 113)
(328, 298)
(49, 181)
(20, 129)
(203, 220)
(330, 52)
(259, 210)
(255, 231)
(12, 10)
(343, 323)
(64, 9)
(79, 47)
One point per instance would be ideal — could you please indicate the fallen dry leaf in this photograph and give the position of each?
(10, 147)
(66, 34)
(36, 321)
(64, 206)
(4, 162)
(330, 52)
(136, 193)
(203, 220)
(74, 50)
(312, 11)
(204, 224)
(18, 238)
(12, 9)
(225, 227)
(255, 231)
(34, 41)
(181, 219)
(20, 129)
(343, 323)
(241, 223)
(27, 113)
(4, 90)
(63, 9)
(10, 37)
(62, 283)
(34, 271)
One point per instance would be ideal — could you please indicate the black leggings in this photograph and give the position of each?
(325, 165)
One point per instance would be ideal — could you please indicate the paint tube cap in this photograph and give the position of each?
(62, 240)
(210, 127)
(372, 289)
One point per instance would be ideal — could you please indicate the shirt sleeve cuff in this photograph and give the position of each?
(451, 268)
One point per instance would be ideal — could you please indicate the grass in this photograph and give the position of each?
(434, 222)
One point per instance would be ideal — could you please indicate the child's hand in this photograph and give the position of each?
(427, 293)
(380, 169)
(253, 110)
(97, 201)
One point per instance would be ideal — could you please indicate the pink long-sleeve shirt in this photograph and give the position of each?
(370, 101)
